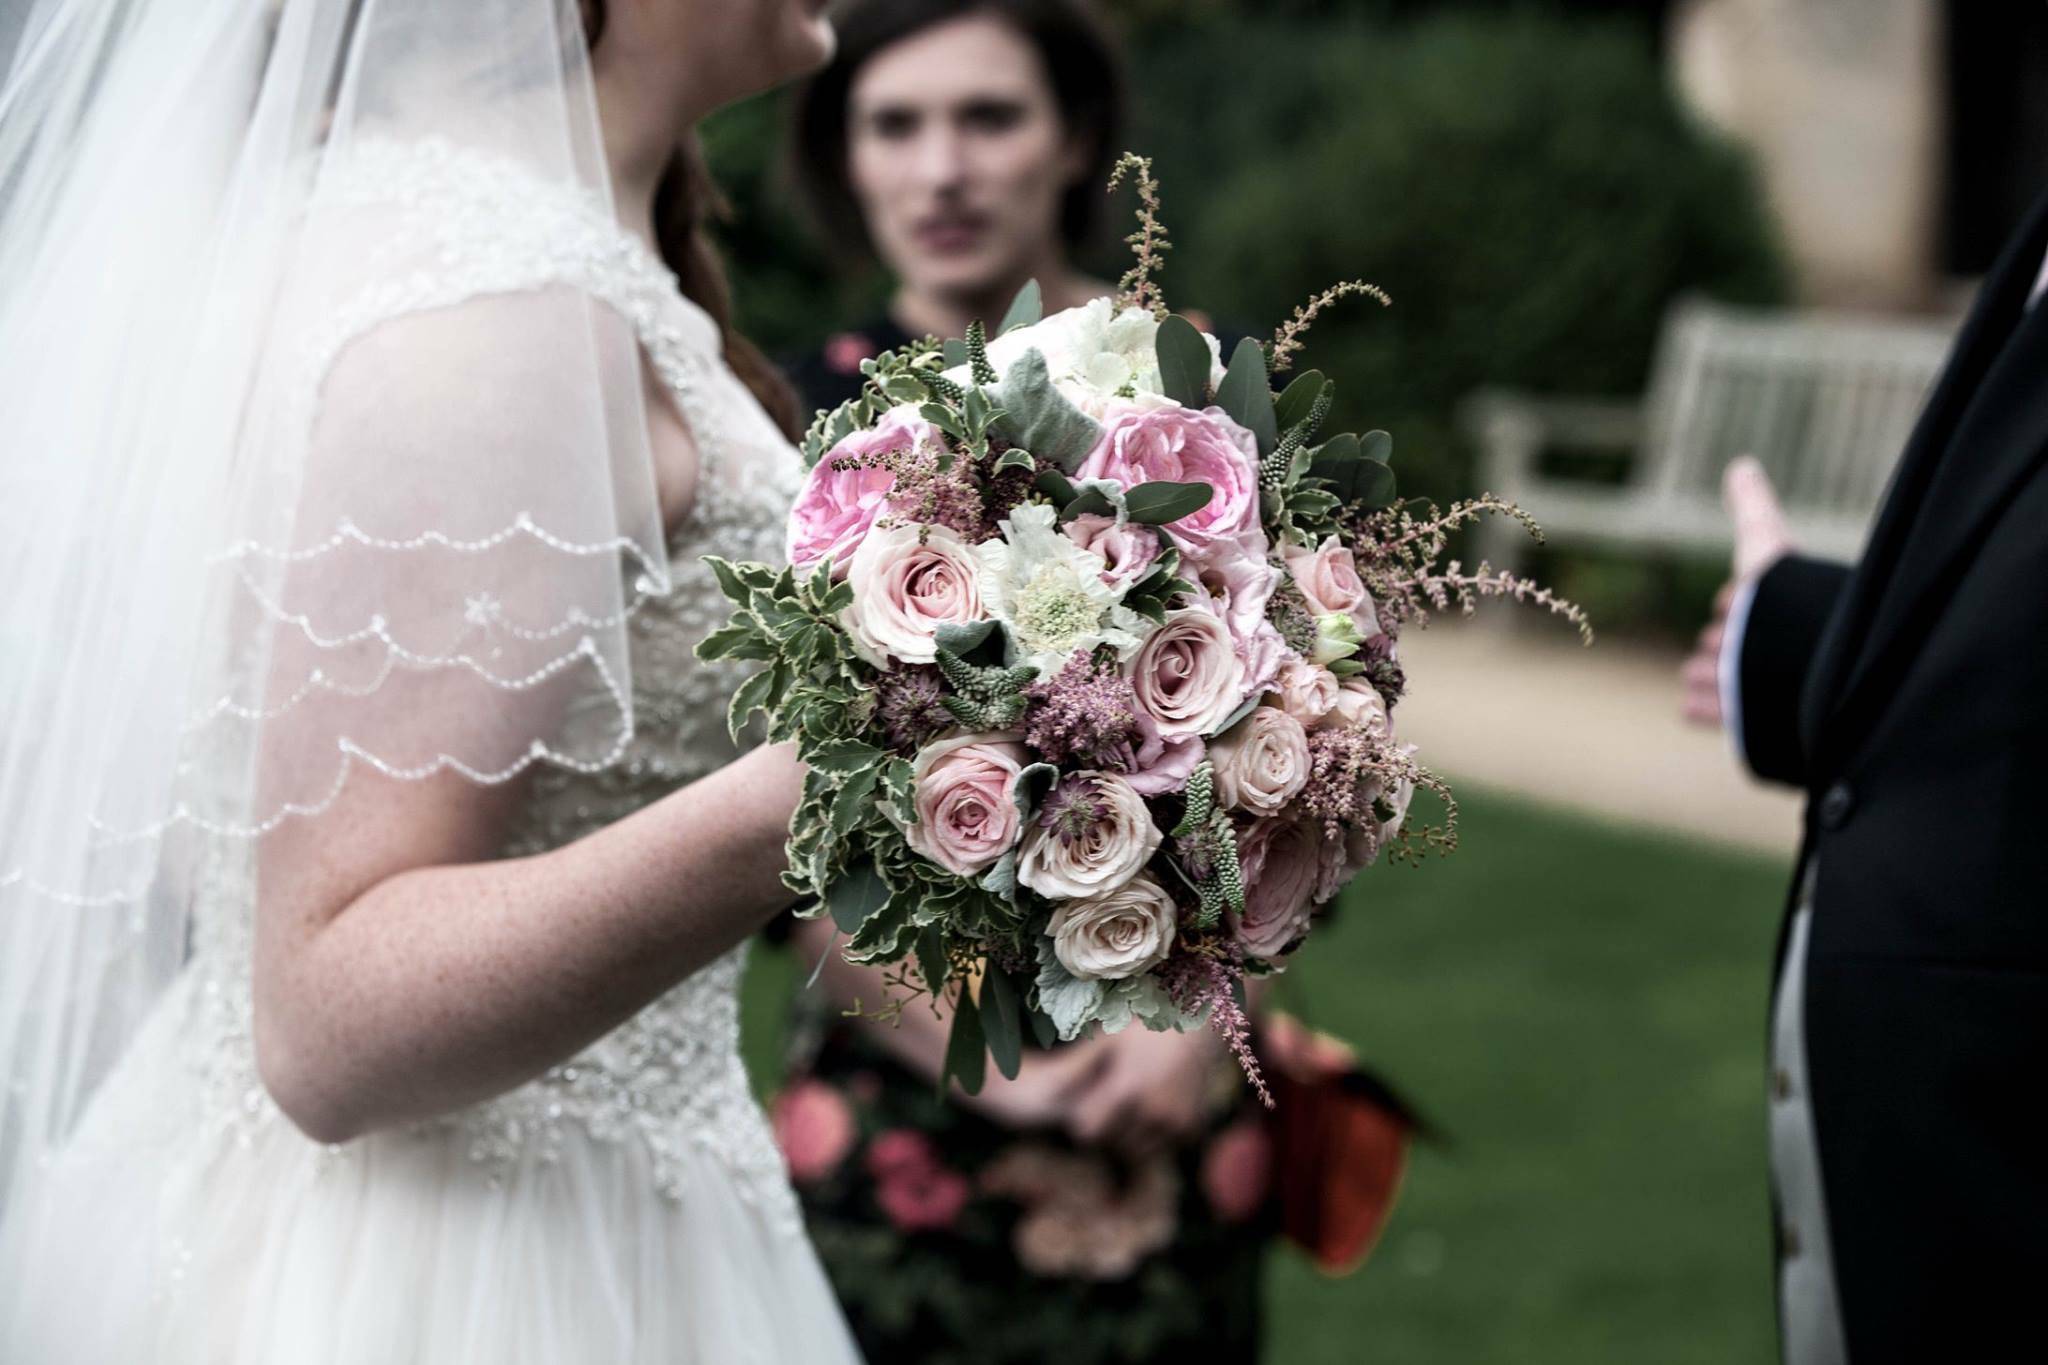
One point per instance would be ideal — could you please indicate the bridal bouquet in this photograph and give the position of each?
(1089, 641)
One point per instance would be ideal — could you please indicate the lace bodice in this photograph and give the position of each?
(671, 1077)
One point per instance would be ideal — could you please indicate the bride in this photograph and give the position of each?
(373, 859)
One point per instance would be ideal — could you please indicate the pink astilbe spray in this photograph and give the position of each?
(933, 486)
(1350, 771)
(1203, 979)
(1398, 554)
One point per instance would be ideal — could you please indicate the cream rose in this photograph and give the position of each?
(908, 581)
(1356, 704)
(1262, 763)
(1187, 675)
(1117, 934)
(1327, 577)
(1092, 835)
(966, 816)
(1305, 691)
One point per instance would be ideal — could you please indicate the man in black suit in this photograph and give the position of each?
(1908, 696)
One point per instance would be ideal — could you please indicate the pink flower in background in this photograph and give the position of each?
(909, 580)
(1143, 444)
(1187, 675)
(916, 1192)
(1128, 551)
(1237, 1170)
(896, 1150)
(1282, 864)
(966, 818)
(836, 508)
(814, 1127)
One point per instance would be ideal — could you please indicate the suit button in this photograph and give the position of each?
(1781, 1084)
(1789, 1236)
(1835, 805)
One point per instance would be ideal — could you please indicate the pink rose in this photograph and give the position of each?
(1328, 579)
(837, 507)
(1128, 551)
(1262, 763)
(908, 581)
(1357, 704)
(1237, 1170)
(1187, 675)
(814, 1128)
(1141, 444)
(1282, 862)
(1306, 691)
(966, 817)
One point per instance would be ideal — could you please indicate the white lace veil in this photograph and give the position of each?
(292, 483)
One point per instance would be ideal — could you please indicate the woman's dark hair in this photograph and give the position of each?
(686, 201)
(1080, 58)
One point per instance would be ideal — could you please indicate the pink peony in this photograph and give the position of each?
(908, 581)
(1143, 443)
(898, 1150)
(966, 817)
(837, 507)
(1128, 551)
(1187, 675)
(814, 1128)
(1282, 862)
(1237, 1170)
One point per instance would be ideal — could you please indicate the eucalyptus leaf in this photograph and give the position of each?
(966, 1047)
(1159, 502)
(1027, 308)
(1002, 1020)
(1183, 362)
(1249, 705)
(1038, 417)
(1089, 500)
(858, 894)
(954, 353)
(1378, 446)
(1247, 394)
(1054, 485)
(1299, 399)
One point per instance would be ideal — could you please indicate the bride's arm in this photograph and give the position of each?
(402, 968)
(399, 975)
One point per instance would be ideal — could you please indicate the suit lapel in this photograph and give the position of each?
(1982, 433)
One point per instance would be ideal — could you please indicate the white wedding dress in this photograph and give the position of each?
(629, 1205)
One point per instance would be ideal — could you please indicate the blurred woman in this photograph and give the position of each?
(1101, 1205)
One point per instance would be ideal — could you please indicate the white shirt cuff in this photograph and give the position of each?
(1729, 676)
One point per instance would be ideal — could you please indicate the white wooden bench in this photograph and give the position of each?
(1824, 400)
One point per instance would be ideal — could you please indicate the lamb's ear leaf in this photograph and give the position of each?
(1027, 308)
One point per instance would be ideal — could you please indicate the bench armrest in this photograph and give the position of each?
(1512, 430)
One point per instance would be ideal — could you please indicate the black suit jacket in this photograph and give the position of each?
(1909, 697)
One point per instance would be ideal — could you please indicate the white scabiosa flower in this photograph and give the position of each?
(1050, 595)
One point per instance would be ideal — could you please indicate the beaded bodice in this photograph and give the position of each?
(671, 1077)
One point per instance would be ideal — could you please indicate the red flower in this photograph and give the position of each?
(899, 1151)
(844, 352)
(1237, 1170)
(923, 1199)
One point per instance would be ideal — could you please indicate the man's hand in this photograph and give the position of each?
(1761, 539)
(1154, 1090)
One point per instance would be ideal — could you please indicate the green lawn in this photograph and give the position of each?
(1581, 1008)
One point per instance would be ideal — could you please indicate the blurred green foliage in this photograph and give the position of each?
(1523, 183)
